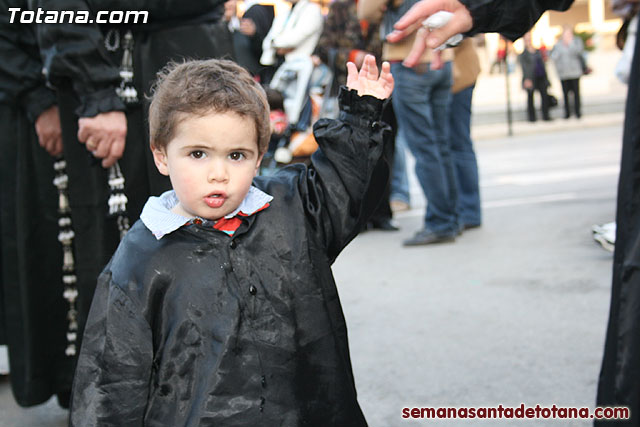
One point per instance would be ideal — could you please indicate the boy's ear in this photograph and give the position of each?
(160, 159)
(258, 164)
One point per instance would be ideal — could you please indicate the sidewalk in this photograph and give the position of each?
(603, 100)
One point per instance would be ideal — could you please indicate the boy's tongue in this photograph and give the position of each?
(214, 201)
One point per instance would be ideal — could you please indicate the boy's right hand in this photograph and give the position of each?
(367, 81)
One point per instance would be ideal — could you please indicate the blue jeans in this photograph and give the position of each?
(399, 178)
(421, 102)
(464, 158)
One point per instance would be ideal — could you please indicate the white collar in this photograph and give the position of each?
(160, 220)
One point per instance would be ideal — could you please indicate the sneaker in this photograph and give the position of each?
(383, 225)
(605, 235)
(399, 206)
(428, 237)
(607, 244)
(604, 228)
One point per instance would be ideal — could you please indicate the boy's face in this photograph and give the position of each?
(211, 162)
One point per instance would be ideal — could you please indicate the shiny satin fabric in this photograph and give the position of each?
(200, 329)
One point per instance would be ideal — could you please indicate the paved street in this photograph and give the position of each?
(514, 312)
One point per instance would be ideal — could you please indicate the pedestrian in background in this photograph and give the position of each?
(248, 33)
(421, 101)
(534, 79)
(466, 68)
(567, 56)
(288, 46)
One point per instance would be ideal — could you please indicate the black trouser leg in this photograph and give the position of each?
(531, 110)
(576, 94)
(541, 86)
(566, 88)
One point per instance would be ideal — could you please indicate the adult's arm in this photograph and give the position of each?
(511, 18)
(21, 80)
(310, 21)
(75, 55)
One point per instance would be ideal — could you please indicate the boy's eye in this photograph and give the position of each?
(197, 154)
(236, 155)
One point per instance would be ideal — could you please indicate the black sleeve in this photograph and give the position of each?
(511, 18)
(75, 54)
(348, 173)
(21, 79)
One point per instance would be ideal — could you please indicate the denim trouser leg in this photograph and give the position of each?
(421, 102)
(464, 158)
(399, 178)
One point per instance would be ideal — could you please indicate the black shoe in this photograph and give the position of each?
(470, 226)
(428, 237)
(382, 224)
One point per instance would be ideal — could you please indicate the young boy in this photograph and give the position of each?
(219, 307)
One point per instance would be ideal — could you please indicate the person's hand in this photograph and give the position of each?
(229, 10)
(527, 83)
(49, 131)
(247, 27)
(367, 81)
(104, 135)
(460, 22)
(315, 59)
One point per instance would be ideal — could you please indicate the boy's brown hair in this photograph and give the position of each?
(200, 87)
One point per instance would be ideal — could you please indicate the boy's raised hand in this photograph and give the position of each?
(367, 81)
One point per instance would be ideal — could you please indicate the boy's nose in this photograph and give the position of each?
(218, 172)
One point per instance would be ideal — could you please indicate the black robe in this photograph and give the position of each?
(200, 329)
(619, 383)
(33, 308)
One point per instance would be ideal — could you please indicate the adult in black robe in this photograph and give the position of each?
(619, 383)
(33, 308)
